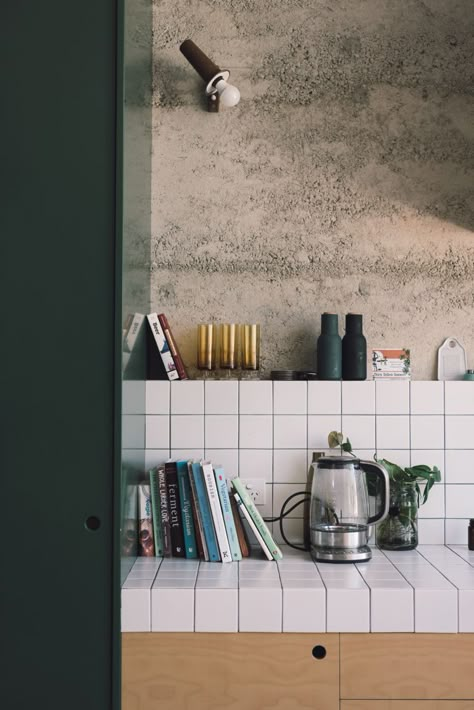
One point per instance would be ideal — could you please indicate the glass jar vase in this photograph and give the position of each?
(399, 530)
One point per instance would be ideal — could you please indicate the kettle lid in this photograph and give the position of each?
(337, 462)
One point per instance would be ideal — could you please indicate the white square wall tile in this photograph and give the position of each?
(459, 466)
(260, 609)
(255, 431)
(290, 397)
(282, 491)
(221, 431)
(392, 432)
(221, 397)
(392, 397)
(304, 610)
(187, 397)
(157, 397)
(133, 431)
(459, 432)
(256, 397)
(430, 457)
(216, 610)
(293, 529)
(187, 431)
(399, 456)
(383, 601)
(319, 426)
(427, 431)
(290, 466)
(459, 397)
(358, 397)
(434, 506)
(289, 431)
(155, 457)
(456, 531)
(157, 431)
(324, 397)
(347, 610)
(459, 500)
(187, 454)
(426, 397)
(360, 429)
(431, 531)
(227, 458)
(256, 463)
(166, 598)
(133, 397)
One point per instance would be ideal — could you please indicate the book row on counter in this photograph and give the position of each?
(189, 509)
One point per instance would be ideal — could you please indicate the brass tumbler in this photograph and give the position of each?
(229, 346)
(207, 346)
(250, 346)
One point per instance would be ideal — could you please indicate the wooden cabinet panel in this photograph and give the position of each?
(436, 666)
(229, 672)
(407, 705)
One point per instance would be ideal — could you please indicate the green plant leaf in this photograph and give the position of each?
(395, 472)
(335, 439)
(347, 446)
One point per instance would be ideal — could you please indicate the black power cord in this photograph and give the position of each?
(284, 513)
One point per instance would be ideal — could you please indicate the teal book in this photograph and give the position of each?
(206, 515)
(156, 512)
(184, 487)
(257, 519)
(227, 513)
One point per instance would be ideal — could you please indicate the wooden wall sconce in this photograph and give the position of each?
(218, 91)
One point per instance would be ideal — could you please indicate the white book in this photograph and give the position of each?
(216, 510)
(253, 527)
(163, 347)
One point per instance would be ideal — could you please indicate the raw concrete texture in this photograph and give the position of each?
(342, 182)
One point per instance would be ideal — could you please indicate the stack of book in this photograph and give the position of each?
(163, 359)
(191, 513)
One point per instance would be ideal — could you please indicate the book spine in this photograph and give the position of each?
(198, 529)
(165, 516)
(156, 513)
(227, 513)
(186, 510)
(253, 527)
(163, 347)
(216, 511)
(241, 534)
(206, 516)
(174, 506)
(146, 547)
(257, 519)
(178, 360)
(133, 331)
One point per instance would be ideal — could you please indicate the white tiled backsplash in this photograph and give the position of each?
(268, 430)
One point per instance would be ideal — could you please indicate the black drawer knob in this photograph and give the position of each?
(319, 652)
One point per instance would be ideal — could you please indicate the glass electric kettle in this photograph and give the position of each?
(339, 512)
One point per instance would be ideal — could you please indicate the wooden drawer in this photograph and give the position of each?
(229, 671)
(407, 705)
(435, 666)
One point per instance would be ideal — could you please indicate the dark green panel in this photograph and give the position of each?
(59, 391)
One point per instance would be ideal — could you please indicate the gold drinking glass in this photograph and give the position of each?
(207, 347)
(229, 347)
(250, 347)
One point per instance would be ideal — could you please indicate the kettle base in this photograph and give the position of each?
(341, 554)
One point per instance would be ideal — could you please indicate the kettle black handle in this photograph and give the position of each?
(382, 474)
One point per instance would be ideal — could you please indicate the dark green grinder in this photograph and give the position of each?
(329, 349)
(354, 350)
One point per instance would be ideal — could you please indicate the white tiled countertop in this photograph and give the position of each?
(430, 589)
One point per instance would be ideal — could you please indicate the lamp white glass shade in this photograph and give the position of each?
(228, 95)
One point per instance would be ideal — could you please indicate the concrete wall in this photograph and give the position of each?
(341, 182)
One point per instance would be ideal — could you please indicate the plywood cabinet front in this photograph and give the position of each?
(229, 672)
(421, 666)
(407, 705)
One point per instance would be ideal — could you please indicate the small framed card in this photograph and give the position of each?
(391, 363)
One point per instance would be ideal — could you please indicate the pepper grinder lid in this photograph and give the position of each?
(353, 323)
(329, 324)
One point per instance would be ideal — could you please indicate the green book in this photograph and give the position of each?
(257, 519)
(156, 512)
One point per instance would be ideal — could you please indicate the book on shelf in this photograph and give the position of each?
(221, 484)
(205, 510)
(161, 353)
(257, 518)
(156, 512)
(174, 507)
(146, 547)
(178, 360)
(165, 516)
(241, 534)
(253, 527)
(190, 546)
(198, 528)
(216, 511)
